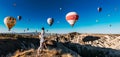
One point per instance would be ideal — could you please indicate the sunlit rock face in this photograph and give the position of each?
(72, 45)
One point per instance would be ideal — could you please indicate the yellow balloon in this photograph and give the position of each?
(9, 22)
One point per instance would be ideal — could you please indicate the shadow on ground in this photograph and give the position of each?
(9, 46)
(90, 38)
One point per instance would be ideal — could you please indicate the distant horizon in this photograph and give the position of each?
(55, 33)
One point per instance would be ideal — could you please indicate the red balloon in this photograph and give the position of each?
(72, 17)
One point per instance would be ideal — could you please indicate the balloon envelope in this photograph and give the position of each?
(47, 30)
(71, 18)
(60, 8)
(99, 9)
(50, 21)
(19, 17)
(9, 22)
(110, 25)
(27, 29)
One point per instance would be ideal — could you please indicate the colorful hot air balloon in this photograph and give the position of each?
(9, 22)
(71, 18)
(99, 9)
(19, 17)
(50, 21)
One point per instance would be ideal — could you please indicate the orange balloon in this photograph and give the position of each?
(9, 22)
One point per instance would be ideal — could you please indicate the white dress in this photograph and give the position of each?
(41, 39)
(42, 36)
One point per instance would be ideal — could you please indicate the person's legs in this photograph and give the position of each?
(44, 45)
(40, 48)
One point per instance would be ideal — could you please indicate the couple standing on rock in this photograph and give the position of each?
(42, 41)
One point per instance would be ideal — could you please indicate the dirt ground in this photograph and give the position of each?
(61, 45)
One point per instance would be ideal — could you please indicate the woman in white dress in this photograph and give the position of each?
(42, 40)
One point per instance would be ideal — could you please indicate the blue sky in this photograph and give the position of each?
(35, 13)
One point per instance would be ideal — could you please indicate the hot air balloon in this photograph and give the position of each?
(19, 17)
(110, 25)
(36, 31)
(99, 9)
(24, 30)
(47, 30)
(50, 21)
(60, 8)
(27, 29)
(71, 18)
(9, 22)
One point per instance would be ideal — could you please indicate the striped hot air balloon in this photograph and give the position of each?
(71, 18)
